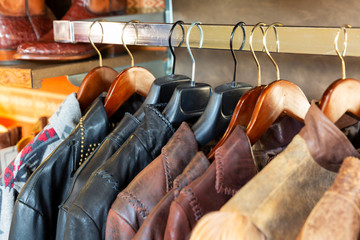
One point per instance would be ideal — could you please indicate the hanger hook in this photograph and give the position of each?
(260, 24)
(273, 25)
(122, 38)
(242, 24)
(170, 45)
(341, 56)
(197, 23)
(102, 37)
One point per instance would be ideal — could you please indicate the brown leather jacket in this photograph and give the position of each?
(279, 199)
(233, 167)
(135, 202)
(155, 224)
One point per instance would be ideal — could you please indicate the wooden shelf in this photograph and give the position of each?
(30, 74)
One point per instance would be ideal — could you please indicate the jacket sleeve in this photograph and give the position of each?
(117, 227)
(34, 229)
(80, 225)
(178, 226)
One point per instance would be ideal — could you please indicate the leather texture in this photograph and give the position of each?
(235, 164)
(154, 225)
(317, 133)
(19, 29)
(46, 48)
(275, 140)
(108, 147)
(11, 137)
(279, 199)
(87, 215)
(36, 207)
(337, 215)
(232, 168)
(136, 201)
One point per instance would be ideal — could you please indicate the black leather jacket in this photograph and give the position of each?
(36, 207)
(87, 215)
(108, 147)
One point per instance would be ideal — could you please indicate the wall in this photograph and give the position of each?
(313, 73)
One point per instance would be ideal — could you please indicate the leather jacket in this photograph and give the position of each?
(336, 215)
(232, 168)
(136, 201)
(278, 200)
(86, 217)
(155, 224)
(108, 147)
(234, 165)
(36, 207)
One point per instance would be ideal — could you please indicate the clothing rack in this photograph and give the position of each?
(292, 39)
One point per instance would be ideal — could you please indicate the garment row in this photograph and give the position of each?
(119, 167)
(147, 180)
(85, 189)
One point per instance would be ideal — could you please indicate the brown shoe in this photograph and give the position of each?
(22, 20)
(47, 49)
(11, 137)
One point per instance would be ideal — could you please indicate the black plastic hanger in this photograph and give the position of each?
(217, 115)
(162, 88)
(189, 100)
(245, 106)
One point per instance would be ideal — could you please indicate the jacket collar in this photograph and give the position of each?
(327, 145)
(91, 130)
(196, 167)
(234, 163)
(237, 156)
(124, 129)
(176, 153)
(275, 140)
(157, 126)
(67, 116)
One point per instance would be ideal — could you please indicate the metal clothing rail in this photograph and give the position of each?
(293, 39)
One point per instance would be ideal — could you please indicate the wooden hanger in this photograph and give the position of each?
(278, 97)
(98, 80)
(131, 80)
(343, 95)
(245, 106)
